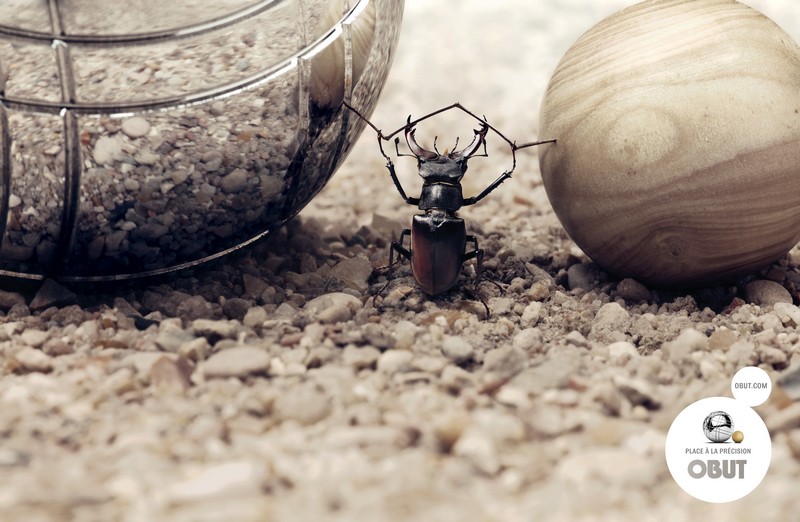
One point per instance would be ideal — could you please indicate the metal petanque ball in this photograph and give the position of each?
(139, 140)
(718, 426)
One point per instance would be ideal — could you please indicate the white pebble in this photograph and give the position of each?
(34, 338)
(457, 349)
(621, 352)
(395, 361)
(107, 149)
(219, 481)
(135, 127)
(237, 362)
(32, 360)
(788, 313)
(532, 313)
(479, 448)
(332, 300)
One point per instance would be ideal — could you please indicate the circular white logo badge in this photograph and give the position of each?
(751, 385)
(718, 449)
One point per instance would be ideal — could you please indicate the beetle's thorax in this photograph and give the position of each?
(442, 183)
(441, 196)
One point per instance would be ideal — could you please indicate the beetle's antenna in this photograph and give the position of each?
(532, 144)
(435, 139)
(364, 118)
(457, 105)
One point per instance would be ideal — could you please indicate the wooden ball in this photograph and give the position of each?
(678, 153)
(737, 437)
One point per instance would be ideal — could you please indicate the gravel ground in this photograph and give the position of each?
(277, 385)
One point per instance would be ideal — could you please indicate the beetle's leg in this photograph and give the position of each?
(396, 246)
(393, 173)
(478, 255)
(488, 190)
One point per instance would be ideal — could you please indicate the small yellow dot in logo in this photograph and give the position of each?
(737, 437)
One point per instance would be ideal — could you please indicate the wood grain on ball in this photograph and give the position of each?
(678, 126)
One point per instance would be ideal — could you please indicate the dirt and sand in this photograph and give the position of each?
(276, 386)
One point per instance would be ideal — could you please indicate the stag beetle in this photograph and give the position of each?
(439, 239)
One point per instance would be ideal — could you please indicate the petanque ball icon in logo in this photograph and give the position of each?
(718, 426)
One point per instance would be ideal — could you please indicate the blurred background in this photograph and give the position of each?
(494, 57)
(498, 56)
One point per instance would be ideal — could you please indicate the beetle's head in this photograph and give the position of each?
(448, 167)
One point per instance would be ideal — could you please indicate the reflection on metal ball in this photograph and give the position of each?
(133, 142)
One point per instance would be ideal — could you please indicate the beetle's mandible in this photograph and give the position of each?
(438, 237)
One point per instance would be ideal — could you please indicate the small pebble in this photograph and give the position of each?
(57, 347)
(236, 308)
(457, 349)
(479, 448)
(135, 127)
(333, 307)
(253, 286)
(107, 150)
(9, 299)
(788, 313)
(131, 184)
(255, 317)
(583, 276)
(194, 307)
(172, 375)
(632, 290)
(217, 108)
(360, 358)
(354, 271)
(773, 356)
(679, 350)
(620, 353)
(457, 378)
(532, 314)
(611, 324)
(337, 313)
(528, 340)
(238, 362)
(307, 405)
(638, 392)
(766, 293)
(210, 328)
(395, 361)
(218, 481)
(234, 182)
(52, 294)
(33, 360)
(34, 338)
